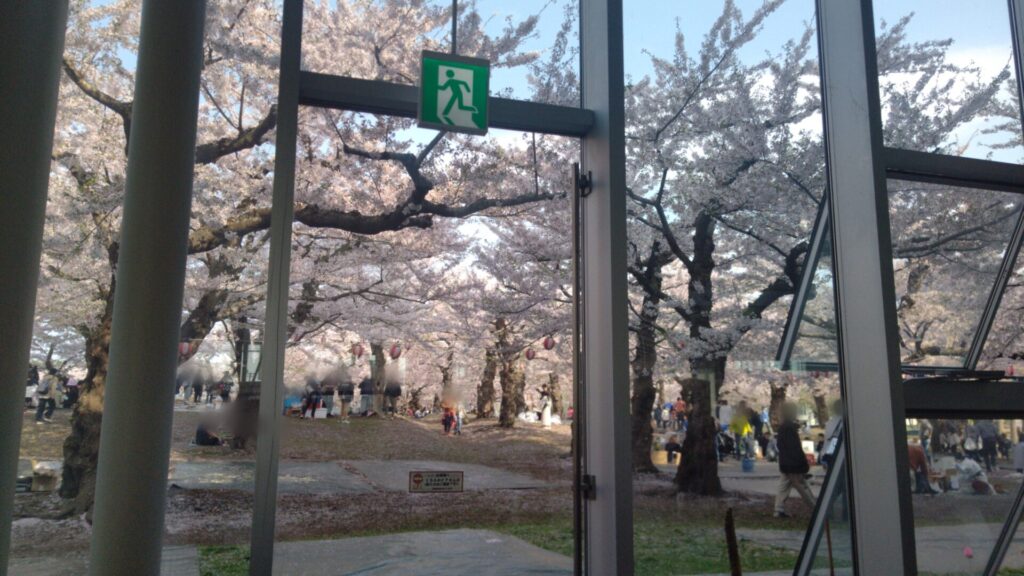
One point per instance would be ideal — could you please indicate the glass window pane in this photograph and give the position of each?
(533, 45)
(947, 78)
(948, 244)
(725, 169)
(1005, 346)
(816, 338)
(964, 484)
(438, 342)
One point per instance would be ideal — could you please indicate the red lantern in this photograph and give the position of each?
(531, 353)
(183, 349)
(1011, 369)
(396, 351)
(549, 343)
(357, 350)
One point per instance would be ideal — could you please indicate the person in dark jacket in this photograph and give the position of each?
(793, 464)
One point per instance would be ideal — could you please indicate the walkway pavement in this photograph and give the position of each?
(176, 561)
(448, 552)
(347, 477)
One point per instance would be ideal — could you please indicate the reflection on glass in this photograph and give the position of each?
(1004, 343)
(948, 245)
(964, 482)
(816, 338)
(533, 45)
(947, 78)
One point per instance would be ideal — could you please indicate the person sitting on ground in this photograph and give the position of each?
(972, 476)
(793, 464)
(673, 447)
(918, 461)
(205, 435)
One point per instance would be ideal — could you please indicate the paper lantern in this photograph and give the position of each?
(357, 350)
(183, 349)
(531, 353)
(396, 351)
(549, 343)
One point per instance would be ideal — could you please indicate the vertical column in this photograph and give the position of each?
(275, 331)
(883, 531)
(605, 336)
(131, 479)
(31, 44)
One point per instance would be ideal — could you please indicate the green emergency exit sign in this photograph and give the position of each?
(454, 93)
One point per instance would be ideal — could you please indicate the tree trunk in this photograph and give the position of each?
(508, 377)
(485, 392)
(243, 413)
(82, 446)
(778, 398)
(644, 360)
(377, 377)
(556, 395)
(446, 374)
(820, 408)
(508, 374)
(698, 465)
(642, 401)
(519, 382)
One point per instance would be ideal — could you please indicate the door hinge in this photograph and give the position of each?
(588, 487)
(584, 183)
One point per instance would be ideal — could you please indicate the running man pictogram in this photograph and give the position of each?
(456, 86)
(454, 93)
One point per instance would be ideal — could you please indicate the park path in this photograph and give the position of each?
(176, 561)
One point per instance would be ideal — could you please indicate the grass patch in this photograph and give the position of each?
(664, 549)
(223, 560)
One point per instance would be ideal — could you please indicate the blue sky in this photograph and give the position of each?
(650, 25)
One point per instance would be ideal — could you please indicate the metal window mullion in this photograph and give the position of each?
(609, 515)
(822, 508)
(402, 100)
(953, 170)
(995, 297)
(796, 309)
(276, 323)
(882, 519)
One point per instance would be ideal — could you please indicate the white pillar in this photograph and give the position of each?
(609, 517)
(131, 479)
(31, 44)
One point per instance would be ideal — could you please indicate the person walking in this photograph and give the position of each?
(45, 392)
(545, 407)
(460, 417)
(680, 413)
(989, 442)
(927, 431)
(197, 388)
(793, 466)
